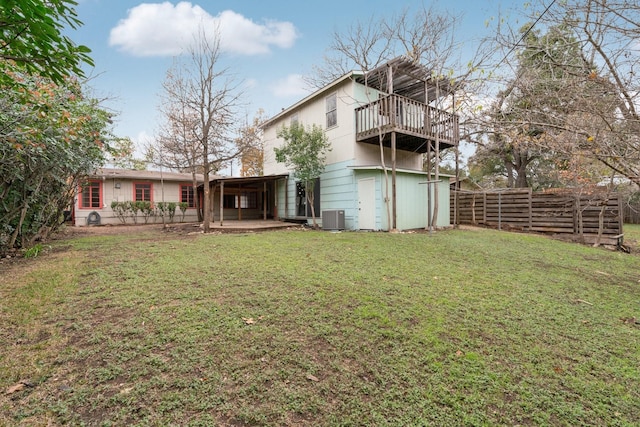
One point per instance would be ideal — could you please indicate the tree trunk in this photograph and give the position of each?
(521, 161)
(206, 214)
(509, 170)
(311, 198)
(17, 231)
(386, 178)
(196, 199)
(429, 219)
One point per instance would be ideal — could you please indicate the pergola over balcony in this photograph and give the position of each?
(406, 108)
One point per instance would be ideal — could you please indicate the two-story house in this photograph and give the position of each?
(380, 124)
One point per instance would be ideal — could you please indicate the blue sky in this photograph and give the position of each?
(268, 45)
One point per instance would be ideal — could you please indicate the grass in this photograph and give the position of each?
(317, 328)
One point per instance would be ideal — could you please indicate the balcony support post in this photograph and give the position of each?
(394, 106)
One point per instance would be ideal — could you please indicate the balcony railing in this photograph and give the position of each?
(410, 118)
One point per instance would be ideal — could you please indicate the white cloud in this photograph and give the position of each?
(250, 83)
(142, 140)
(292, 85)
(164, 29)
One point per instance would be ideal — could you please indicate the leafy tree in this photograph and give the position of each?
(51, 137)
(304, 150)
(122, 155)
(253, 151)
(31, 36)
(533, 107)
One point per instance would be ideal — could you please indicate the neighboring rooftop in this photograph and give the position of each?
(113, 173)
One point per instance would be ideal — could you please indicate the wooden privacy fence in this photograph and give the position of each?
(632, 213)
(572, 214)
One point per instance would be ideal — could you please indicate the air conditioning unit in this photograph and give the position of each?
(333, 219)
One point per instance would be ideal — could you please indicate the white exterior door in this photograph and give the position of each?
(366, 203)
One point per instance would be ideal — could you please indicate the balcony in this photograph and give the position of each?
(414, 123)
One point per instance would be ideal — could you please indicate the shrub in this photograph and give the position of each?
(171, 208)
(146, 209)
(133, 210)
(120, 209)
(183, 208)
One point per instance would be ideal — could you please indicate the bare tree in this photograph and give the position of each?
(207, 97)
(609, 32)
(362, 46)
(176, 145)
(577, 86)
(428, 38)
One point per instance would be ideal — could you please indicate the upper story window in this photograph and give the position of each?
(142, 191)
(90, 195)
(332, 110)
(187, 195)
(294, 119)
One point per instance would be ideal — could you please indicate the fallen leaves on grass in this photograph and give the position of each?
(15, 388)
(250, 320)
(312, 378)
(19, 386)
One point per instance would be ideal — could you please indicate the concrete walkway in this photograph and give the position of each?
(251, 225)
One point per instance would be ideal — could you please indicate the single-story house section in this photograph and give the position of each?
(93, 203)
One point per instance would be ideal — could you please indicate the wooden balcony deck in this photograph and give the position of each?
(415, 124)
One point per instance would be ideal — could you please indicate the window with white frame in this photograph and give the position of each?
(332, 110)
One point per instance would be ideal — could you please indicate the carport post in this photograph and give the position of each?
(221, 202)
(264, 201)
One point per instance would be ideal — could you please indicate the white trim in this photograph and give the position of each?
(415, 172)
(315, 94)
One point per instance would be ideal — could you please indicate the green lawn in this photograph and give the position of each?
(317, 328)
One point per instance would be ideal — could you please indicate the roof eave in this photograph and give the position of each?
(306, 99)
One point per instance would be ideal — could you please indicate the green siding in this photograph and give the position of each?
(411, 191)
(339, 190)
(411, 206)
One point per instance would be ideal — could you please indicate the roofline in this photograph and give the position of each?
(410, 171)
(115, 173)
(249, 178)
(304, 100)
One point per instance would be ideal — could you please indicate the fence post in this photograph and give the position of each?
(577, 218)
(484, 207)
(530, 209)
(620, 214)
(473, 209)
(499, 211)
